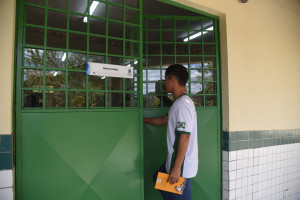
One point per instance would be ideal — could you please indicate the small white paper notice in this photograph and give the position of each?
(100, 69)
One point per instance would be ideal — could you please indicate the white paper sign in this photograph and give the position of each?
(100, 69)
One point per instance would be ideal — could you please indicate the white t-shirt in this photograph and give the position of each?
(182, 119)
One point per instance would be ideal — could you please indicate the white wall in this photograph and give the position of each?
(260, 47)
(7, 35)
(263, 173)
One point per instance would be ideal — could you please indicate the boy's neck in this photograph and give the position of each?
(178, 92)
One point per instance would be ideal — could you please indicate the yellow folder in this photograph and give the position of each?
(162, 184)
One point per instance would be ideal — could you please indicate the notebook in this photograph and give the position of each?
(162, 184)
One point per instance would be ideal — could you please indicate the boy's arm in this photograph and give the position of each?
(156, 120)
(183, 144)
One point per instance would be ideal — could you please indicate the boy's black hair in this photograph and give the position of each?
(180, 73)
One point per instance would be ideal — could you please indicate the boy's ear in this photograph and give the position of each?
(173, 78)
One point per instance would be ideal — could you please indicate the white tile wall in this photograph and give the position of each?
(6, 194)
(6, 184)
(6, 179)
(268, 173)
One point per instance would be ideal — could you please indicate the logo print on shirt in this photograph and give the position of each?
(181, 125)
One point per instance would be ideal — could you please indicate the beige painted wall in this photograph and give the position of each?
(260, 43)
(7, 33)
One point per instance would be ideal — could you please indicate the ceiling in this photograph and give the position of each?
(154, 7)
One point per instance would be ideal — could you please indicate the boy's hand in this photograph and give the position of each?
(174, 175)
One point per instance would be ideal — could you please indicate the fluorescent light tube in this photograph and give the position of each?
(92, 9)
(193, 36)
(103, 77)
(135, 62)
(63, 57)
(198, 34)
(85, 19)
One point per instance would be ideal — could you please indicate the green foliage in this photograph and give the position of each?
(77, 99)
(77, 61)
(33, 78)
(56, 79)
(55, 99)
(96, 99)
(33, 57)
(54, 59)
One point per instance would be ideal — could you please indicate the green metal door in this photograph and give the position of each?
(193, 42)
(78, 136)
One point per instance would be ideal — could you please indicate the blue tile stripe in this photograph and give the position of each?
(239, 140)
(6, 152)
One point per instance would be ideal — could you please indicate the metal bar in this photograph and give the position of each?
(177, 17)
(124, 53)
(87, 56)
(67, 59)
(218, 67)
(19, 95)
(161, 62)
(175, 47)
(44, 55)
(71, 109)
(203, 75)
(147, 63)
(140, 106)
(106, 56)
(78, 90)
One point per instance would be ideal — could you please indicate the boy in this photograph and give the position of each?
(182, 159)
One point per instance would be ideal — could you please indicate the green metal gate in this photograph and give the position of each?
(78, 136)
(193, 42)
(81, 137)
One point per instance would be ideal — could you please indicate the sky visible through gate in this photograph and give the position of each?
(154, 74)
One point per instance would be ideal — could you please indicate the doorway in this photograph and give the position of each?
(176, 35)
(78, 136)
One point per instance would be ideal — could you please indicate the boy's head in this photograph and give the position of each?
(179, 72)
